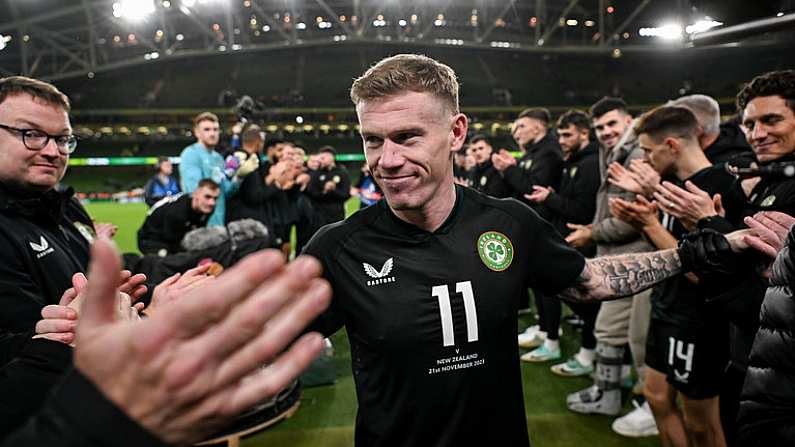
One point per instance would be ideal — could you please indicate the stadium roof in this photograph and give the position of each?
(62, 39)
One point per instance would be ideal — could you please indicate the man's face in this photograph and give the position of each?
(572, 138)
(610, 127)
(313, 163)
(298, 156)
(770, 127)
(207, 133)
(660, 155)
(204, 199)
(409, 139)
(27, 169)
(481, 151)
(326, 159)
(166, 168)
(526, 130)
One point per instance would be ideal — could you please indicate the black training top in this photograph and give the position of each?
(678, 300)
(167, 222)
(431, 317)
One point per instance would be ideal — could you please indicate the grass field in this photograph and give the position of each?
(327, 414)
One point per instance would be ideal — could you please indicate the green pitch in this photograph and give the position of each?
(327, 414)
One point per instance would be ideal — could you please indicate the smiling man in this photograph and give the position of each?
(42, 231)
(428, 281)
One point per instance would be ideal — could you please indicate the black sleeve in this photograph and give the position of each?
(314, 188)
(332, 319)
(343, 190)
(17, 290)
(12, 343)
(580, 206)
(517, 178)
(77, 414)
(254, 191)
(26, 381)
(546, 169)
(553, 264)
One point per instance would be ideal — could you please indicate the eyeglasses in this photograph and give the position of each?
(37, 140)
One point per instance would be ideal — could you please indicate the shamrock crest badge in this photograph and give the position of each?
(495, 250)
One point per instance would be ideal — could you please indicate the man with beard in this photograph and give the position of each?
(623, 321)
(574, 202)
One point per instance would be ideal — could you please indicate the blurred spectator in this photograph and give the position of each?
(720, 141)
(485, 177)
(626, 320)
(329, 187)
(162, 184)
(171, 218)
(201, 161)
(682, 321)
(248, 202)
(366, 188)
(541, 162)
(460, 171)
(575, 202)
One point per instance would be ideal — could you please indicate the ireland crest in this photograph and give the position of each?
(495, 250)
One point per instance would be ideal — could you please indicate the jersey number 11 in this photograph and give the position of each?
(443, 295)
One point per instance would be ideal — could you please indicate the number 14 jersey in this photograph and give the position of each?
(431, 317)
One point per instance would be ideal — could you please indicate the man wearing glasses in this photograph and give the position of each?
(44, 234)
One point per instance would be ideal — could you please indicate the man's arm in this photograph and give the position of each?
(611, 277)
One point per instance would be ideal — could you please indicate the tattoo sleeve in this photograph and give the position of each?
(611, 277)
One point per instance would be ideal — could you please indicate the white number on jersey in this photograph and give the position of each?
(442, 293)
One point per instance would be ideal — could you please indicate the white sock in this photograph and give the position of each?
(541, 334)
(586, 356)
(552, 345)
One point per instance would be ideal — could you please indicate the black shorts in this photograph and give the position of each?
(692, 358)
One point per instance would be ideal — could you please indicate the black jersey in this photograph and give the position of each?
(431, 317)
(678, 300)
(167, 222)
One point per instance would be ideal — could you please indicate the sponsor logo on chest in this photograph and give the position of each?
(41, 248)
(379, 276)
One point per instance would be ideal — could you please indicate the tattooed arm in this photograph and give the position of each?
(610, 277)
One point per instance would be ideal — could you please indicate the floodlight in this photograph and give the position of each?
(133, 9)
(702, 25)
(671, 31)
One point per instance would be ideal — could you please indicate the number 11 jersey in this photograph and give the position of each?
(431, 317)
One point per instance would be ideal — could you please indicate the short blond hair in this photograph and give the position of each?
(407, 72)
(204, 116)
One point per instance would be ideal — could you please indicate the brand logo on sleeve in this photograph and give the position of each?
(379, 276)
(42, 248)
(495, 250)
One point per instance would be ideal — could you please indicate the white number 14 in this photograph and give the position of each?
(443, 295)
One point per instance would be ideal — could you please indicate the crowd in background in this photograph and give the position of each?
(610, 183)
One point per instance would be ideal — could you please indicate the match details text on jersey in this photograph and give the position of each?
(457, 362)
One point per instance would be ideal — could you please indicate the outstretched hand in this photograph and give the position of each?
(189, 368)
